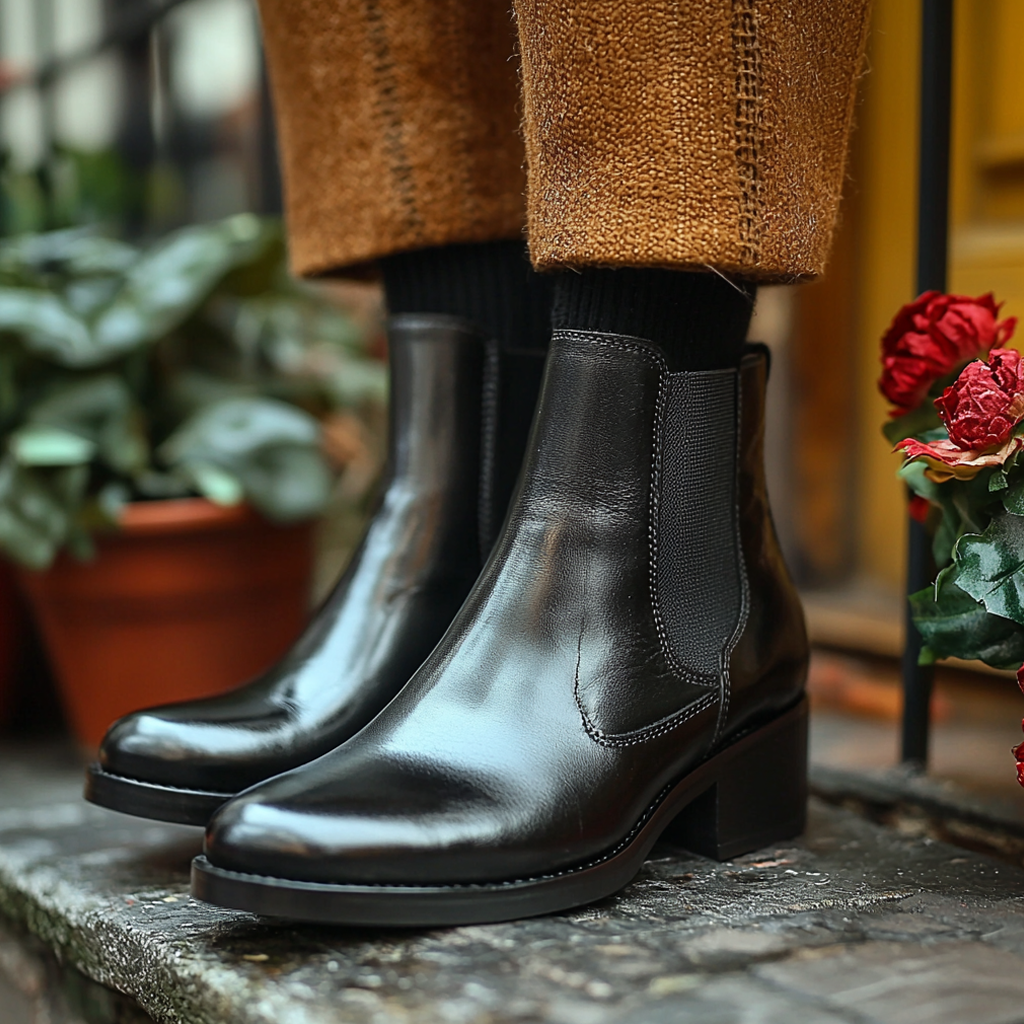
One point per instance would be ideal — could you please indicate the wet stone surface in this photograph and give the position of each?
(853, 923)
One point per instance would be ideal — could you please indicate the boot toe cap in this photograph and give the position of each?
(155, 747)
(256, 837)
(143, 743)
(356, 836)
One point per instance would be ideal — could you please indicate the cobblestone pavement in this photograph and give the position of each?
(852, 924)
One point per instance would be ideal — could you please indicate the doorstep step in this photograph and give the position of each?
(797, 931)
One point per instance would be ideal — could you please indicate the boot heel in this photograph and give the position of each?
(758, 798)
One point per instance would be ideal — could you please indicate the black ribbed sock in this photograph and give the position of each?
(490, 284)
(699, 320)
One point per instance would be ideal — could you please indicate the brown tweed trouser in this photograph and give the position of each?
(658, 133)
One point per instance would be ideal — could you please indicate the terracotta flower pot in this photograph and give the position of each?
(187, 600)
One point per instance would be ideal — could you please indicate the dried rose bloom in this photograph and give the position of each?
(933, 335)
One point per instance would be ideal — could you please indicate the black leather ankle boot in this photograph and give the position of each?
(460, 413)
(631, 663)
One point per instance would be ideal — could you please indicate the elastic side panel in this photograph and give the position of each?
(699, 581)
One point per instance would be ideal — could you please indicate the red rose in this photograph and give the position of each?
(983, 405)
(919, 508)
(931, 337)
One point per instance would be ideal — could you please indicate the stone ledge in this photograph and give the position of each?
(811, 931)
(912, 801)
(36, 988)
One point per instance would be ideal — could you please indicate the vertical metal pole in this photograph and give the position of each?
(932, 260)
(136, 142)
(45, 51)
(269, 170)
(270, 198)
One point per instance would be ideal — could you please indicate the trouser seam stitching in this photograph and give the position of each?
(387, 103)
(747, 124)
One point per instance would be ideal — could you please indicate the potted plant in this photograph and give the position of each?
(161, 460)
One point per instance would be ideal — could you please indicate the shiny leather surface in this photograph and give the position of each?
(551, 715)
(412, 571)
(768, 666)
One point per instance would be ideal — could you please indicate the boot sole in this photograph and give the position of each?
(150, 800)
(747, 796)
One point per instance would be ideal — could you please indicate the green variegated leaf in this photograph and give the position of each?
(268, 448)
(40, 445)
(78, 252)
(103, 410)
(216, 484)
(199, 346)
(23, 543)
(86, 298)
(111, 500)
(46, 325)
(286, 482)
(103, 317)
(235, 427)
(955, 625)
(171, 280)
(360, 381)
(38, 509)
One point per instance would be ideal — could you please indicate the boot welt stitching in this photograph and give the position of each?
(600, 858)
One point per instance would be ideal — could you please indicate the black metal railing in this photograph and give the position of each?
(932, 262)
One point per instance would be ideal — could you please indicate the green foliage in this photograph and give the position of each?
(975, 608)
(257, 447)
(75, 187)
(1013, 499)
(960, 506)
(193, 366)
(955, 624)
(915, 423)
(990, 567)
